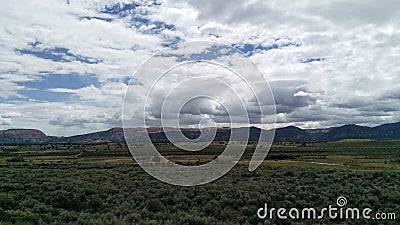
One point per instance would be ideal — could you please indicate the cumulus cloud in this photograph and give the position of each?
(10, 114)
(329, 63)
(5, 121)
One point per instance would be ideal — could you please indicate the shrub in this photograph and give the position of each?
(3, 215)
(16, 159)
(154, 205)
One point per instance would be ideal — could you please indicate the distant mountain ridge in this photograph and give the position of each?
(285, 134)
(23, 136)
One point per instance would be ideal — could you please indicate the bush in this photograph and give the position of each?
(8, 203)
(132, 218)
(154, 205)
(16, 159)
(3, 215)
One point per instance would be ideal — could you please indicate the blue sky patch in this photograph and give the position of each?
(70, 81)
(251, 49)
(170, 42)
(38, 90)
(313, 60)
(158, 26)
(212, 52)
(126, 9)
(48, 96)
(120, 9)
(56, 54)
(137, 15)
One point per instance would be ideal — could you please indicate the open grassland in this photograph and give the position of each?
(102, 184)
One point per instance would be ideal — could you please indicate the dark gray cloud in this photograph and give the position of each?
(286, 99)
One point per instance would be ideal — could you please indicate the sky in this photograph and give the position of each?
(65, 65)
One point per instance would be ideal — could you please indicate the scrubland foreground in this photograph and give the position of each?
(102, 184)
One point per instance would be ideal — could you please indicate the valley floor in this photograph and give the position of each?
(102, 184)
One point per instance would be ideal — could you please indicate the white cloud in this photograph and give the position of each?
(10, 114)
(5, 121)
(346, 55)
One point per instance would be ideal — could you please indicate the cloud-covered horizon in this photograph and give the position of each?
(65, 65)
